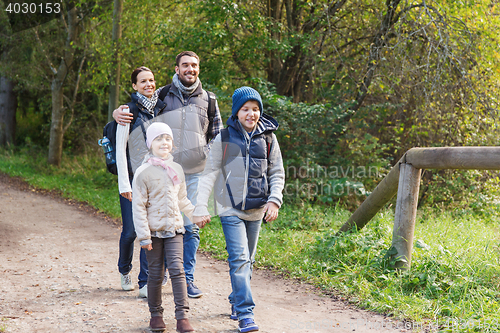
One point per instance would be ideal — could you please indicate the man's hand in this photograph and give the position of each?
(200, 221)
(122, 115)
(127, 195)
(271, 211)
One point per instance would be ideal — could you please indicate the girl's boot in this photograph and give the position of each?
(183, 325)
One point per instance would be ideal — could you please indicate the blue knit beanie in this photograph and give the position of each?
(243, 95)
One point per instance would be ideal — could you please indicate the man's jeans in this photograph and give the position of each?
(192, 235)
(241, 244)
(127, 239)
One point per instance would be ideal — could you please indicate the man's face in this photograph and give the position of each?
(188, 70)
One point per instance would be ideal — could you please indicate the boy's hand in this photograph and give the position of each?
(122, 115)
(200, 221)
(127, 195)
(271, 211)
(148, 247)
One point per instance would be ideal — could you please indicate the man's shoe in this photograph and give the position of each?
(193, 290)
(234, 315)
(126, 282)
(143, 292)
(247, 325)
(156, 324)
(165, 279)
(183, 325)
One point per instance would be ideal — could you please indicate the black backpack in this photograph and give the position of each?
(109, 131)
(210, 111)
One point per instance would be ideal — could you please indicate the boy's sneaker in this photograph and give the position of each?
(247, 325)
(165, 280)
(126, 282)
(193, 290)
(234, 315)
(143, 292)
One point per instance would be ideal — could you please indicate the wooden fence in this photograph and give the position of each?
(404, 178)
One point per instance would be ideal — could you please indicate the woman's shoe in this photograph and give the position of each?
(183, 325)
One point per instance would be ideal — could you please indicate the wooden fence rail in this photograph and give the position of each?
(404, 178)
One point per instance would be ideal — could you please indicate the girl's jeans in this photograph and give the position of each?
(241, 244)
(171, 249)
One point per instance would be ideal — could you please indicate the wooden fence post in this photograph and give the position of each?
(406, 212)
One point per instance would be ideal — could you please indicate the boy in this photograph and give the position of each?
(246, 166)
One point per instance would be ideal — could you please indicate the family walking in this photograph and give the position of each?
(185, 154)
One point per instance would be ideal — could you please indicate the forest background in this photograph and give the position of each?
(353, 84)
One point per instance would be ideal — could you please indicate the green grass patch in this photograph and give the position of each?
(455, 274)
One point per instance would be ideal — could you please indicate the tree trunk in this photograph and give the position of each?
(8, 106)
(114, 87)
(58, 110)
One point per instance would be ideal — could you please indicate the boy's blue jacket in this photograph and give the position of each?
(248, 187)
(252, 178)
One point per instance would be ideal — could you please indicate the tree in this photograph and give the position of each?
(114, 87)
(8, 105)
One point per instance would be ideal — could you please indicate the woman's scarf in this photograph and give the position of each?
(148, 103)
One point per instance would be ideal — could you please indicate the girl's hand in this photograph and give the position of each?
(127, 195)
(200, 221)
(271, 211)
(148, 247)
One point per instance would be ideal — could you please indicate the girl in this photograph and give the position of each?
(159, 196)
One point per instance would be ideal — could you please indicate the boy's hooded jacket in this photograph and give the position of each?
(249, 178)
(157, 203)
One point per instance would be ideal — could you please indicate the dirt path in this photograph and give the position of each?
(58, 274)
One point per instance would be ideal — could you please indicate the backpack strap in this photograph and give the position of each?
(211, 113)
(135, 113)
(225, 142)
(268, 136)
(164, 91)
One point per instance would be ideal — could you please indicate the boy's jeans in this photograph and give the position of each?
(127, 239)
(192, 235)
(241, 244)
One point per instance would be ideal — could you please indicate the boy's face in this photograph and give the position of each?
(249, 115)
(162, 146)
(188, 70)
(146, 84)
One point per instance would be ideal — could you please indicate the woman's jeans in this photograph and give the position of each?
(127, 239)
(171, 249)
(241, 244)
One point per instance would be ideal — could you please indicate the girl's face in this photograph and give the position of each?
(146, 84)
(249, 115)
(162, 146)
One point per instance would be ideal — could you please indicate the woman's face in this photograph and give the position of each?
(146, 84)
(162, 146)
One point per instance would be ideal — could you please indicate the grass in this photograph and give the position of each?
(453, 284)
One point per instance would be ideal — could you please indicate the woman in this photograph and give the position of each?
(146, 105)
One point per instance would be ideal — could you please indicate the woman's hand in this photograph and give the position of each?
(127, 195)
(271, 211)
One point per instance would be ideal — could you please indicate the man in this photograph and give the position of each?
(186, 112)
